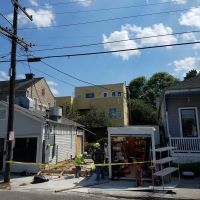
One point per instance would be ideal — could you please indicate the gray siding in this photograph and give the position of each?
(173, 105)
(65, 141)
(23, 126)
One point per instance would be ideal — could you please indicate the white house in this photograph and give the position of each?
(39, 139)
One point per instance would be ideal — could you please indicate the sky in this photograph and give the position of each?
(79, 25)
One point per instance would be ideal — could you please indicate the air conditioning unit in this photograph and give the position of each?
(55, 113)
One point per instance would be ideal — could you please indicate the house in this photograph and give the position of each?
(32, 91)
(110, 99)
(66, 103)
(180, 117)
(39, 139)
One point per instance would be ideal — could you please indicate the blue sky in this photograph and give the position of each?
(44, 33)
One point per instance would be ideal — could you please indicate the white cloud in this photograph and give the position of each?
(41, 17)
(52, 86)
(121, 35)
(20, 76)
(156, 29)
(52, 83)
(129, 31)
(3, 76)
(190, 37)
(54, 91)
(34, 2)
(185, 65)
(191, 18)
(85, 2)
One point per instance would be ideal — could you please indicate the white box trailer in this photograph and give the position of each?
(123, 135)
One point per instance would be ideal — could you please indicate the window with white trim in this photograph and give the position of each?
(188, 119)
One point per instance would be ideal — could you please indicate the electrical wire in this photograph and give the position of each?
(109, 9)
(104, 52)
(6, 19)
(104, 20)
(115, 41)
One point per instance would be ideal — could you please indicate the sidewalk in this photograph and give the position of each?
(187, 189)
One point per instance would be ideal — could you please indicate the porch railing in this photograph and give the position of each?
(186, 145)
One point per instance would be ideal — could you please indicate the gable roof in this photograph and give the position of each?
(191, 83)
(41, 115)
(20, 85)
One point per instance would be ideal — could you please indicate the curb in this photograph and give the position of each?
(84, 186)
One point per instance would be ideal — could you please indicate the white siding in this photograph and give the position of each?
(65, 140)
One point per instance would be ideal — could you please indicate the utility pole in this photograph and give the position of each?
(10, 130)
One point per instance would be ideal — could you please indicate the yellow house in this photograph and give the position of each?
(66, 103)
(110, 99)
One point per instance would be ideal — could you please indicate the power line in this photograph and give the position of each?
(108, 9)
(36, 59)
(115, 41)
(6, 19)
(106, 20)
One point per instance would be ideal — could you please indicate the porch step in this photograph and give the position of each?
(165, 171)
(165, 160)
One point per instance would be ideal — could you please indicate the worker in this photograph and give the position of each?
(78, 161)
(98, 158)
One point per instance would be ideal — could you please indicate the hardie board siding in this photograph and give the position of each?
(176, 102)
(65, 140)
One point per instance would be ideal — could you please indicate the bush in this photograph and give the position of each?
(193, 167)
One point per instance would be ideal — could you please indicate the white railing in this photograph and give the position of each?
(186, 145)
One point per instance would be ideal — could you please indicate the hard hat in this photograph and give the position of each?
(97, 145)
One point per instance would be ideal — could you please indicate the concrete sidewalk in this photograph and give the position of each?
(187, 189)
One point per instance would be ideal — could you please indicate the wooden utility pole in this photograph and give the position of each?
(10, 130)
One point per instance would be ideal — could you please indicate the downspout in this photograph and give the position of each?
(166, 117)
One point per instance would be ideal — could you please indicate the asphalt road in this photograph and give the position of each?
(11, 195)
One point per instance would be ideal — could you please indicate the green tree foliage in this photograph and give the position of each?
(142, 113)
(156, 84)
(191, 73)
(94, 119)
(136, 87)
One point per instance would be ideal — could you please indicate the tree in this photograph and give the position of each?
(142, 113)
(136, 87)
(191, 73)
(94, 119)
(156, 84)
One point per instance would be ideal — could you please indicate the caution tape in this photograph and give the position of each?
(73, 164)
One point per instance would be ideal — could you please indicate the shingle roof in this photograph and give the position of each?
(191, 83)
(21, 84)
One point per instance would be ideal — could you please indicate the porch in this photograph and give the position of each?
(186, 144)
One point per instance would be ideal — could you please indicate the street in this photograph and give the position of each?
(10, 195)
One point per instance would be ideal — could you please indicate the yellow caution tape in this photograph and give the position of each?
(73, 164)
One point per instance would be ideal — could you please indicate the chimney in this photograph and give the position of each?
(30, 76)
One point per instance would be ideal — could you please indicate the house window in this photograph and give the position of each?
(119, 94)
(2, 114)
(36, 103)
(105, 94)
(43, 92)
(188, 117)
(113, 94)
(113, 113)
(89, 95)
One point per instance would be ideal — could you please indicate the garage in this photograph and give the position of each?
(131, 144)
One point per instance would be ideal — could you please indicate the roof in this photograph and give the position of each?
(191, 83)
(20, 84)
(41, 115)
